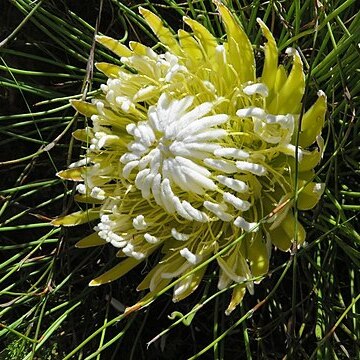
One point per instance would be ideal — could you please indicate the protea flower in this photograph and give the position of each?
(190, 153)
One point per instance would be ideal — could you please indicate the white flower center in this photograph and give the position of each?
(180, 153)
(168, 150)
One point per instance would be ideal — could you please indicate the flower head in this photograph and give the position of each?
(190, 153)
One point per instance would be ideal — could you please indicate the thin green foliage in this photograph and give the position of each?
(306, 308)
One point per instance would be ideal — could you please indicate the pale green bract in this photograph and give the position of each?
(188, 151)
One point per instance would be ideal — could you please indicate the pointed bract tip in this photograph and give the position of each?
(291, 51)
(320, 93)
(58, 174)
(54, 222)
(132, 309)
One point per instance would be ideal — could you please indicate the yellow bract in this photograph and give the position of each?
(77, 218)
(165, 36)
(92, 240)
(239, 46)
(313, 122)
(270, 68)
(115, 46)
(116, 272)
